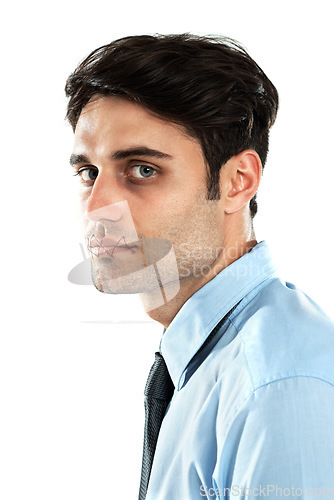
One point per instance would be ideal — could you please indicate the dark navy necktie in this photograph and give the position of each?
(158, 393)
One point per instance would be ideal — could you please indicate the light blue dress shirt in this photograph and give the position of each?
(252, 414)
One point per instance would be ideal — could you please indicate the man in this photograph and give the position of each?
(171, 135)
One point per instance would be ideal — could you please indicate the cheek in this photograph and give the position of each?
(173, 210)
(177, 222)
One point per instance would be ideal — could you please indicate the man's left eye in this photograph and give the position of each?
(142, 171)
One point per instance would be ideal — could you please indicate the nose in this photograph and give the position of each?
(111, 212)
(105, 201)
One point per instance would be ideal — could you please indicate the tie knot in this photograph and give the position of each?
(159, 384)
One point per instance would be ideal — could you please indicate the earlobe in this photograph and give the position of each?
(242, 179)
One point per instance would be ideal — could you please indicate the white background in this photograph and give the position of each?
(73, 362)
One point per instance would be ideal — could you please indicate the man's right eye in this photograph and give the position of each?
(87, 174)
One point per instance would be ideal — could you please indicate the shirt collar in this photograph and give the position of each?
(203, 310)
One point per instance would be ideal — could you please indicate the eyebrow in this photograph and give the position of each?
(139, 151)
(74, 159)
(124, 154)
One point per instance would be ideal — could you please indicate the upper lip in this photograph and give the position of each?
(107, 242)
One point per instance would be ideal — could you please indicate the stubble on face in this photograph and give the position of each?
(173, 206)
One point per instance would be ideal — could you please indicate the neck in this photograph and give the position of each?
(165, 313)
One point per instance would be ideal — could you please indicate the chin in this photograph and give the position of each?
(157, 278)
(141, 281)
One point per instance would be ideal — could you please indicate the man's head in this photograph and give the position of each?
(170, 132)
(210, 86)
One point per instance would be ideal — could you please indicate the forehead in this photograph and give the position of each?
(107, 122)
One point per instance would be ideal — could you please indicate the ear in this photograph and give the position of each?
(240, 179)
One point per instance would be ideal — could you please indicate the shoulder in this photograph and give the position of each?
(282, 435)
(278, 428)
(285, 334)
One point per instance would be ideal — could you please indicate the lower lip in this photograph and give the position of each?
(110, 251)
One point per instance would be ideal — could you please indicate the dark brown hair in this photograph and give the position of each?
(209, 85)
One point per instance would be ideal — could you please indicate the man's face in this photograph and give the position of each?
(143, 180)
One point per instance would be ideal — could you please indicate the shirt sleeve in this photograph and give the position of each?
(280, 443)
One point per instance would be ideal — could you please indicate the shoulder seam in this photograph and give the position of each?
(278, 379)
